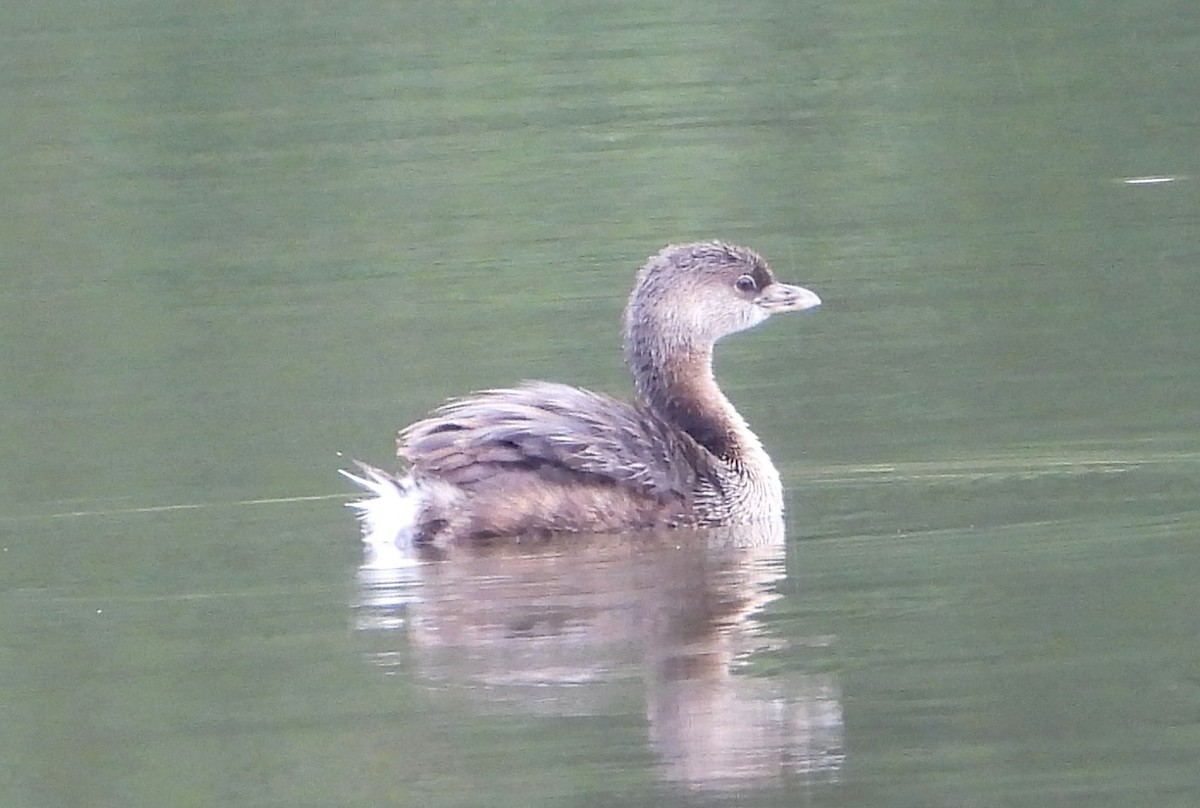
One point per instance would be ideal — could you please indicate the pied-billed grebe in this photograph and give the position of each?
(547, 458)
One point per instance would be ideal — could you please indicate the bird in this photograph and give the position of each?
(548, 459)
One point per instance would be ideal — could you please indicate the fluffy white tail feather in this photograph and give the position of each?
(388, 518)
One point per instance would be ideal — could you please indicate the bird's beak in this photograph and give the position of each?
(778, 297)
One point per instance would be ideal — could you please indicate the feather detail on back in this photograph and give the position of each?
(562, 433)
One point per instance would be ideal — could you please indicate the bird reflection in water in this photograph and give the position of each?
(566, 628)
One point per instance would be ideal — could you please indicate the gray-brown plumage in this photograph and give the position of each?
(549, 458)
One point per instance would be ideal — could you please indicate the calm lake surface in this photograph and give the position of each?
(237, 240)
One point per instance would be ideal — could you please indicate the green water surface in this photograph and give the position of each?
(236, 240)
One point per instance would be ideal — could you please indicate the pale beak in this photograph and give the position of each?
(779, 297)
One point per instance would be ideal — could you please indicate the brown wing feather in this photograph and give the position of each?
(558, 431)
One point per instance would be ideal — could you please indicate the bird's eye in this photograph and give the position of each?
(746, 284)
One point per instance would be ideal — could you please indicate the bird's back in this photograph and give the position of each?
(546, 457)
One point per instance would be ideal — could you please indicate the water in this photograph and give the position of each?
(237, 241)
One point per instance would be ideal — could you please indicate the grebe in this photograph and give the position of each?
(545, 458)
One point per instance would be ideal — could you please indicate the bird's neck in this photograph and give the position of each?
(675, 380)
